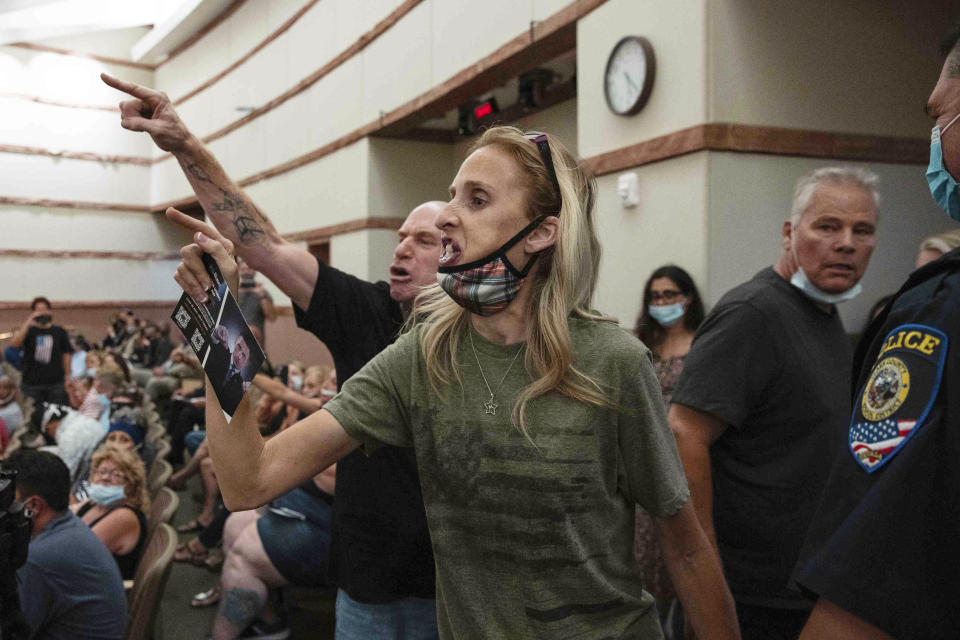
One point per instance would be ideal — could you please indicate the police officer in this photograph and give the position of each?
(883, 554)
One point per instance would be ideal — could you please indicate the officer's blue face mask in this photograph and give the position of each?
(666, 314)
(943, 187)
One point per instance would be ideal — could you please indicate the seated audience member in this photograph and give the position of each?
(121, 328)
(83, 397)
(78, 361)
(75, 436)
(305, 398)
(269, 415)
(117, 361)
(108, 379)
(14, 357)
(93, 361)
(168, 376)
(117, 505)
(128, 430)
(70, 586)
(10, 411)
(286, 543)
(152, 348)
(935, 246)
(184, 412)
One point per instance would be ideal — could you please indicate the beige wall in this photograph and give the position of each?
(857, 66)
(668, 226)
(677, 32)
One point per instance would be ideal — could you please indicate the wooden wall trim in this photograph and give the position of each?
(74, 204)
(358, 45)
(76, 155)
(57, 103)
(741, 138)
(140, 256)
(204, 30)
(78, 54)
(546, 40)
(270, 38)
(351, 226)
(12, 305)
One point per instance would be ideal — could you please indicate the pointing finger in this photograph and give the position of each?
(132, 88)
(193, 225)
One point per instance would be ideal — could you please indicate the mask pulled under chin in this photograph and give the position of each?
(486, 286)
(802, 282)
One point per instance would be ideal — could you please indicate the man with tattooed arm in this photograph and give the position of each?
(380, 555)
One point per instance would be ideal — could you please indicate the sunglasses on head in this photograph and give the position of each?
(543, 146)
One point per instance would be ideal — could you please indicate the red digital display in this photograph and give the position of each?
(481, 110)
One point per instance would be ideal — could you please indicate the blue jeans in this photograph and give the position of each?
(407, 619)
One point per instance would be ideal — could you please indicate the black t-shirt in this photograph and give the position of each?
(43, 350)
(774, 367)
(380, 547)
(885, 543)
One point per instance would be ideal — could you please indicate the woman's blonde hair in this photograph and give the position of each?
(130, 464)
(321, 371)
(561, 283)
(943, 242)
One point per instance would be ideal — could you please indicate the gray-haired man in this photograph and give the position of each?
(763, 396)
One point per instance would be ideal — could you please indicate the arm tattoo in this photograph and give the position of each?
(241, 606)
(197, 172)
(245, 220)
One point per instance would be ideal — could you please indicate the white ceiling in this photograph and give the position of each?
(170, 22)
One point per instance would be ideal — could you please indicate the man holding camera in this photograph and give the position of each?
(46, 355)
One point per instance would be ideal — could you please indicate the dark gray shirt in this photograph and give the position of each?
(70, 586)
(775, 368)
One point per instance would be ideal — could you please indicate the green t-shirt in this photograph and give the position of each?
(530, 541)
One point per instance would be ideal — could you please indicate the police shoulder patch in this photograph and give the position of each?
(898, 394)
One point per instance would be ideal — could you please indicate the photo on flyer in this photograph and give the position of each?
(221, 338)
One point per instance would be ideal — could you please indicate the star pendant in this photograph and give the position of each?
(490, 407)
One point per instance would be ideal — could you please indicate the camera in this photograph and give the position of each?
(44, 318)
(15, 529)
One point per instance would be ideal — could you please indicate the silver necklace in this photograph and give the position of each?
(491, 405)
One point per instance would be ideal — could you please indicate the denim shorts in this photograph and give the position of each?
(295, 532)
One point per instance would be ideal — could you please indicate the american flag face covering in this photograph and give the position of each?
(486, 286)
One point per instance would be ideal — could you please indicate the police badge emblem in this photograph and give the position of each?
(898, 394)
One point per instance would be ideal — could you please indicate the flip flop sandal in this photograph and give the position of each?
(193, 526)
(207, 598)
(187, 553)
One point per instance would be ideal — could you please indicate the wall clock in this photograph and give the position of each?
(628, 79)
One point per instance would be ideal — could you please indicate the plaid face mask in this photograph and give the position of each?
(486, 286)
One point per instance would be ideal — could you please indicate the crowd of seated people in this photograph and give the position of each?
(113, 403)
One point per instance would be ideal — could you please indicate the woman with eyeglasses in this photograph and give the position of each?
(537, 422)
(672, 310)
(117, 504)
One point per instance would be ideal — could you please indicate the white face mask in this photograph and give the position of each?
(802, 282)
